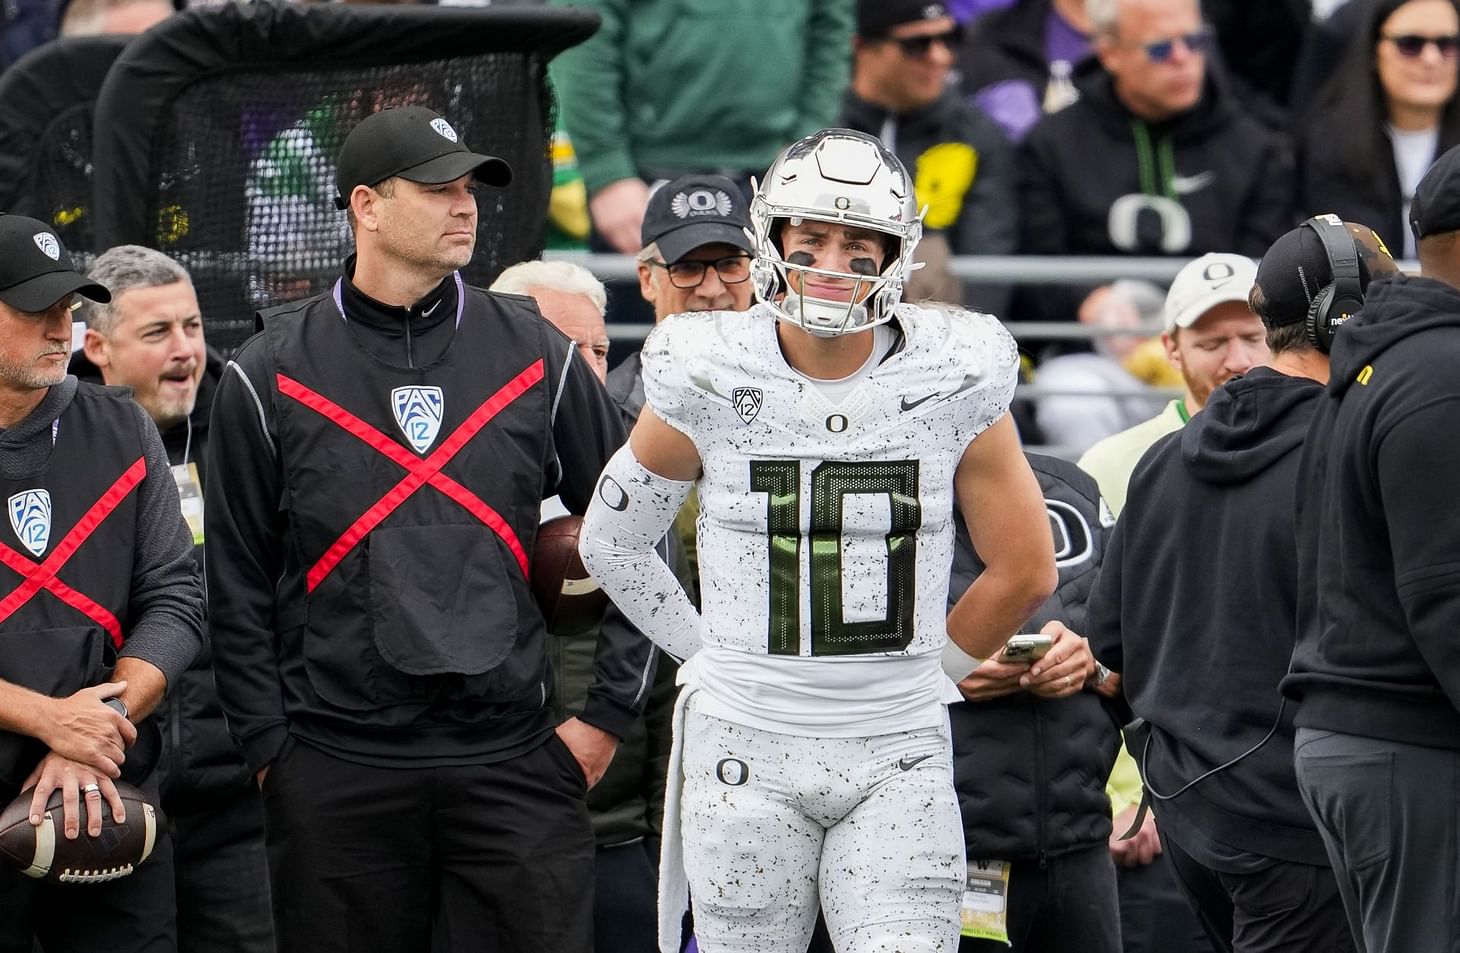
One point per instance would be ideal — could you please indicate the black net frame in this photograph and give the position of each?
(47, 99)
(216, 134)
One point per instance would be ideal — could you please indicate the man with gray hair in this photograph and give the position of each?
(571, 299)
(1157, 157)
(149, 338)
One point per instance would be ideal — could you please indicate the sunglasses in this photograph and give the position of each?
(732, 269)
(1412, 46)
(917, 47)
(1162, 50)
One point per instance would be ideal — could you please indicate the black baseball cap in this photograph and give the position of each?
(1296, 267)
(1436, 205)
(35, 270)
(414, 143)
(876, 17)
(695, 210)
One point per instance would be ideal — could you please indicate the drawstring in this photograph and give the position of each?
(1157, 165)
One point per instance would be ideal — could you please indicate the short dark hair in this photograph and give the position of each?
(1289, 338)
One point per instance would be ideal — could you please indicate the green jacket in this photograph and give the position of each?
(673, 86)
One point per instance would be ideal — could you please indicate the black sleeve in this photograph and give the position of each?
(166, 602)
(1102, 614)
(989, 221)
(245, 547)
(588, 429)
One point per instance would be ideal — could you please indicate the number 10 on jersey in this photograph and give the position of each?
(831, 482)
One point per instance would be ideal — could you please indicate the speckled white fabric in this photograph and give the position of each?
(766, 819)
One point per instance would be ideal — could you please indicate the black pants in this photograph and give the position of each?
(625, 900)
(1068, 904)
(1154, 915)
(136, 914)
(223, 876)
(496, 857)
(1287, 908)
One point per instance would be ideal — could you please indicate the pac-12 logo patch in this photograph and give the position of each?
(48, 245)
(747, 401)
(418, 411)
(443, 129)
(30, 517)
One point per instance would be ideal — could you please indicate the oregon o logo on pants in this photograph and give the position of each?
(732, 771)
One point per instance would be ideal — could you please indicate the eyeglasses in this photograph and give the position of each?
(732, 269)
(1162, 50)
(1411, 45)
(917, 47)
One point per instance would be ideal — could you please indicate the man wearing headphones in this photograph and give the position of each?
(1199, 640)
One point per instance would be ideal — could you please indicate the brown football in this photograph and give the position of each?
(44, 853)
(571, 600)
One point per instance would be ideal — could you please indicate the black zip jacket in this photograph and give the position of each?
(1211, 179)
(1030, 771)
(1195, 607)
(1379, 652)
(256, 580)
(979, 215)
(201, 765)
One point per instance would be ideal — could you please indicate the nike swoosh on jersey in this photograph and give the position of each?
(1186, 184)
(907, 764)
(969, 381)
(910, 404)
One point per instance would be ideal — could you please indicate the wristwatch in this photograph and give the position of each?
(118, 706)
(1102, 674)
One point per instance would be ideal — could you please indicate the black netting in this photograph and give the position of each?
(46, 105)
(245, 174)
(217, 130)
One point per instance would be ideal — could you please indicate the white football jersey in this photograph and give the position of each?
(825, 528)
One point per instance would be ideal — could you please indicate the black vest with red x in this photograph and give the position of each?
(66, 555)
(412, 498)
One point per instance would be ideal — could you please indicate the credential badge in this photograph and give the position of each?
(747, 401)
(47, 243)
(30, 517)
(443, 129)
(418, 411)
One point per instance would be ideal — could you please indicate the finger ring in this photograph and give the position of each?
(1069, 681)
(92, 788)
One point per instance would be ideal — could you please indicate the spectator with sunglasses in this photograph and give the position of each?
(1393, 96)
(963, 169)
(1157, 157)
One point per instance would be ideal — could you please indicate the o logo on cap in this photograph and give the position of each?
(700, 202)
(1218, 271)
(47, 243)
(443, 129)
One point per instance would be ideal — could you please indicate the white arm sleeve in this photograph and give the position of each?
(630, 512)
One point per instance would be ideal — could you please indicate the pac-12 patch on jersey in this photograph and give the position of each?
(30, 517)
(418, 413)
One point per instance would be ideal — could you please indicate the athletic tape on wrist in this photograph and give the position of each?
(958, 664)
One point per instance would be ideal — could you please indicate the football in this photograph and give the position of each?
(571, 600)
(44, 852)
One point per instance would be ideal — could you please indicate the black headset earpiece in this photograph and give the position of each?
(1342, 297)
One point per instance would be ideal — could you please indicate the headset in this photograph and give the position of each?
(1342, 297)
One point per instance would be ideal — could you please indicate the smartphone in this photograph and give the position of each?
(1026, 647)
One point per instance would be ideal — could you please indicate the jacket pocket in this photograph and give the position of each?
(457, 614)
(53, 662)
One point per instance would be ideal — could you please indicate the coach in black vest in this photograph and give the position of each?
(379, 455)
(101, 607)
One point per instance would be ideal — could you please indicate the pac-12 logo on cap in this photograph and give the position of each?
(418, 411)
(443, 128)
(30, 517)
(700, 202)
(47, 243)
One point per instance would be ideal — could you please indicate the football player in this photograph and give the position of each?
(829, 429)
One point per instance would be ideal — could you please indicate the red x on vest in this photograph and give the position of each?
(42, 575)
(419, 471)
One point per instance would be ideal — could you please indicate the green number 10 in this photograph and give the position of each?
(831, 482)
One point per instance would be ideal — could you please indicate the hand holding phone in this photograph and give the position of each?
(1026, 647)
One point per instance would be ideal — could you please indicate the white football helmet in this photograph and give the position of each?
(846, 177)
